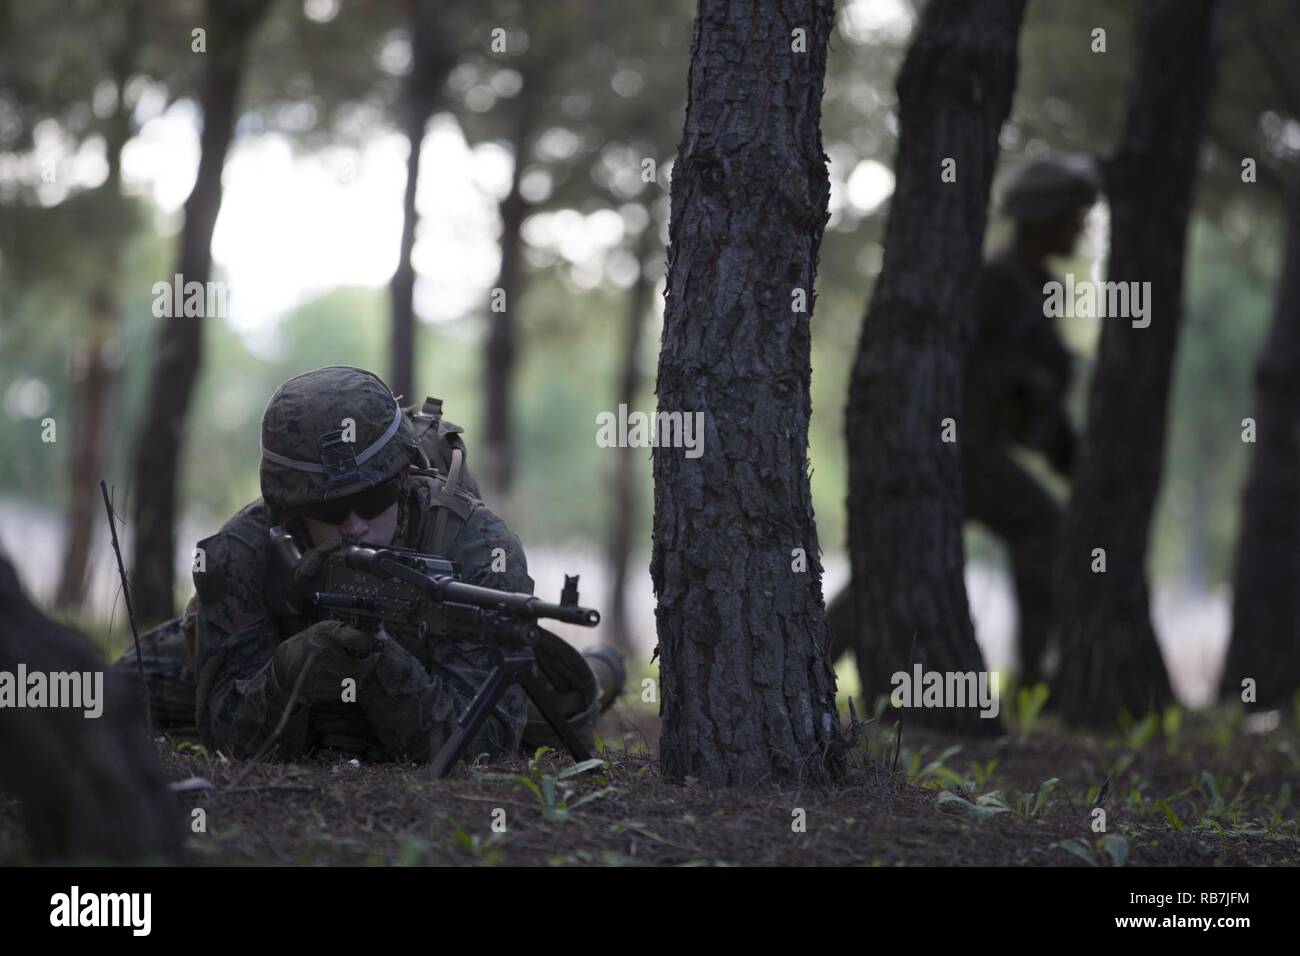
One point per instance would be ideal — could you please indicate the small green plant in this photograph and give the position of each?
(1174, 819)
(553, 791)
(1143, 732)
(1028, 709)
(978, 775)
(934, 775)
(1112, 847)
(1122, 763)
(1030, 807)
(485, 850)
(1171, 722)
(984, 806)
(414, 851)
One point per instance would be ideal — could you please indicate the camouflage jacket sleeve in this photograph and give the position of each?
(414, 710)
(490, 554)
(238, 707)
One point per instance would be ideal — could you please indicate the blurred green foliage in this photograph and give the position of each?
(571, 335)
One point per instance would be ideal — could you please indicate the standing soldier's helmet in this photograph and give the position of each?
(330, 433)
(1044, 187)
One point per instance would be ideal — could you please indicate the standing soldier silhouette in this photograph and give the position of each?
(1017, 376)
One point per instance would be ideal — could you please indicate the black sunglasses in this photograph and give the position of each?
(367, 504)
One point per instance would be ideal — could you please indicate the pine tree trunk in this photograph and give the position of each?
(1265, 643)
(747, 692)
(93, 371)
(1110, 661)
(160, 443)
(905, 488)
(432, 59)
(401, 361)
(503, 332)
(623, 505)
(92, 382)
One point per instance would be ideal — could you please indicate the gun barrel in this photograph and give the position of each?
(518, 602)
(447, 588)
(569, 614)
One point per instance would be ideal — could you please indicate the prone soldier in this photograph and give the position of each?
(343, 463)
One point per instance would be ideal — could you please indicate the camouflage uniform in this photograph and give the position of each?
(408, 696)
(1017, 375)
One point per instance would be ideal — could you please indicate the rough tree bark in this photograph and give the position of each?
(905, 488)
(91, 789)
(431, 60)
(1109, 657)
(1265, 644)
(747, 692)
(159, 444)
(623, 509)
(92, 371)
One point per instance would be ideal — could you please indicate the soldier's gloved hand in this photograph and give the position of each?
(328, 652)
(403, 702)
(310, 564)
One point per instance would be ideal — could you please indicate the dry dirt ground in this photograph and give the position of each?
(1208, 789)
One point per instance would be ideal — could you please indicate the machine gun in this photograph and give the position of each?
(369, 587)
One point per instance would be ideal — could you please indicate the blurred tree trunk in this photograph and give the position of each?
(1265, 644)
(92, 370)
(432, 59)
(503, 331)
(1109, 657)
(159, 445)
(623, 510)
(748, 694)
(91, 789)
(92, 378)
(908, 597)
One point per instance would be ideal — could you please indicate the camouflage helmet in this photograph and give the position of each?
(331, 433)
(1043, 187)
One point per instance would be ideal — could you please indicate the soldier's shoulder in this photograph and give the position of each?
(486, 523)
(435, 494)
(245, 536)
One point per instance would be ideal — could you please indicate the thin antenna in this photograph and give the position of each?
(126, 593)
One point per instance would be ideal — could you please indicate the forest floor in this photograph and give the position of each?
(1189, 789)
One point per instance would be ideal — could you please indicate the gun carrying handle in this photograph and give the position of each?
(286, 548)
(283, 593)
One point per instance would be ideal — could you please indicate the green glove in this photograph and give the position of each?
(327, 652)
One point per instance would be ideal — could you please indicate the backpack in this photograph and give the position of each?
(441, 442)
